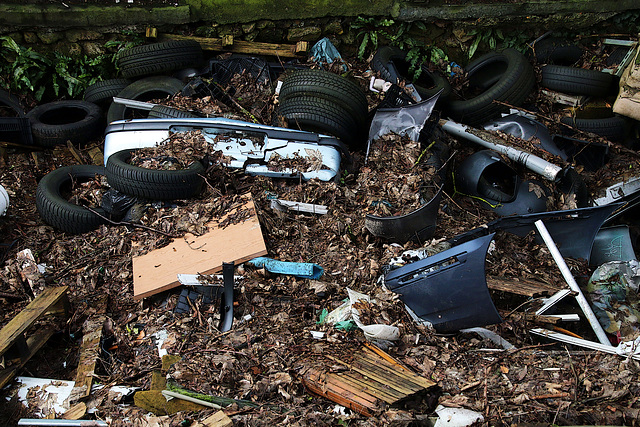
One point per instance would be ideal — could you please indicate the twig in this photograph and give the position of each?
(175, 236)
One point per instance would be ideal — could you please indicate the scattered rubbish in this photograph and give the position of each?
(491, 336)
(612, 244)
(628, 101)
(89, 353)
(317, 335)
(372, 380)
(226, 309)
(45, 397)
(287, 205)
(61, 423)
(448, 290)
(614, 293)
(457, 417)
(360, 305)
(157, 270)
(566, 273)
(303, 270)
(15, 347)
(625, 349)
(325, 52)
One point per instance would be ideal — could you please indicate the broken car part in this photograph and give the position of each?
(417, 225)
(449, 289)
(226, 309)
(612, 244)
(247, 145)
(528, 129)
(574, 230)
(406, 120)
(568, 277)
(485, 177)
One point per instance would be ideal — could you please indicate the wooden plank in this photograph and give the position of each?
(525, 287)
(34, 342)
(392, 372)
(89, 352)
(31, 313)
(158, 270)
(329, 380)
(391, 363)
(356, 402)
(219, 419)
(386, 377)
(373, 388)
(399, 387)
(241, 46)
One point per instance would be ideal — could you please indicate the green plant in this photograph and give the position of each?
(494, 38)
(373, 31)
(55, 75)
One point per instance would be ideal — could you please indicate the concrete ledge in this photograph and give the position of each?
(58, 16)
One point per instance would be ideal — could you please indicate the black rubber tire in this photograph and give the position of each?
(577, 81)
(153, 184)
(145, 89)
(57, 122)
(505, 76)
(322, 116)
(159, 58)
(613, 128)
(557, 51)
(102, 92)
(9, 105)
(391, 63)
(329, 86)
(164, 112)
(59, 212)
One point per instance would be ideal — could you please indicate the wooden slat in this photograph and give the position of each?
(372, 387)
(89, 352)
(357, 402)
(375, 376)
(386, 377)
(241, 46)
(400, 370)
(325, 380)
(158, 270)
(525, 287)
(34, 342)
(27, 317)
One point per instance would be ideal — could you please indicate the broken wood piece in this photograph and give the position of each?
(97, 158)
(151, 33)
(13, 335)
(287, 205)
(520, 286)
(158, 270)
(74, 152)
(219, 419)
(241, 46)
(89, 353)
(29, 271)
(373, 381)
(76, 412)
(227, 40)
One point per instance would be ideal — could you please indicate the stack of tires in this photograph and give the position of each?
(324, 102)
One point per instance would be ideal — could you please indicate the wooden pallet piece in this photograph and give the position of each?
(372, 381)
(158, 270)
(524, 287)
(14, 335)
(228, 44)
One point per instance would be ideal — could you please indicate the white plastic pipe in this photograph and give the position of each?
(536, 164)
(568, 277)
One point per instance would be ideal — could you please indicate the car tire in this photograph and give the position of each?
(164, 112)
(322, 116)
(505, 76)
(612, 128)
(556, 51)
(59, 212)
(153, 184)
(57, 122)
(9, 105)
(102, 92)
(391, 63)
(159, 58)
(145, 89)
(329, 86)
(577, 81)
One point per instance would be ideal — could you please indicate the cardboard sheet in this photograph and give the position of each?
(157, 270)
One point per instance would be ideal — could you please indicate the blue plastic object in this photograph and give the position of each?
(304, 270)
(325, 51)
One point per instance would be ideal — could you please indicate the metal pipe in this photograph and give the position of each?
(568, 277)
(536, 164)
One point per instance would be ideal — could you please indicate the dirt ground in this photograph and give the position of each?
(537, 382)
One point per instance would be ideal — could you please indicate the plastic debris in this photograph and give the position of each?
(457, 417)
(303, 270)
(325, 52)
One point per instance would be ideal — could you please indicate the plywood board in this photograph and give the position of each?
(238, 242)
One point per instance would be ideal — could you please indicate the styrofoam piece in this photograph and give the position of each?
(50, 394)
(457, 417)
(4, 201)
